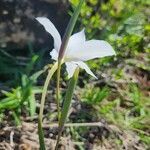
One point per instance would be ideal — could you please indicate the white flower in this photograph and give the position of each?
(78, 49)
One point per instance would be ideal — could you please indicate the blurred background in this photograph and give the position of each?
(122, 23)
(21, 36)
(121, 95)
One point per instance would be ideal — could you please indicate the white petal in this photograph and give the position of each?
(70, 67)
(90, 50)
(75, 41)
(77, 38)
(54, 54)
(50, 28)
(87, 69)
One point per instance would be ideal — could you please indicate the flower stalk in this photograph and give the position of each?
(58, 89)
(49, 76)
(40, 117)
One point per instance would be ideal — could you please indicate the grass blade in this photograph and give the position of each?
(32, 104)
(66, 104)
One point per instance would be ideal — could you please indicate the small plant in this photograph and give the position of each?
(21, 97)
(73, 51)
(96, 96)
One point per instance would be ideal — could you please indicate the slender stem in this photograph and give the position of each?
(40, 117)
(50, 74)
(58, 89)
(92, 124)
(41, 135)
(58, 138)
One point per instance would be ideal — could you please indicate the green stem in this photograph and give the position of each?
(40, 131)
(58, 89)
(66, 105)
(41, 135)
(49, 76)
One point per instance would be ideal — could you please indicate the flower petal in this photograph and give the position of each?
(87, 69)
(75, 41)
(90, 50)
(50, 28)
(77, 38)
(54, 54)
(71, 67)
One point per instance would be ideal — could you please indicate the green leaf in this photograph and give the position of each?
(31, 64)
(68, 97)
(9, 103)
(16, 117)
(66, 104)
(32, 104)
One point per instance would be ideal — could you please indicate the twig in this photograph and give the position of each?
(93, 124)
(11, 138)
(55, 125)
